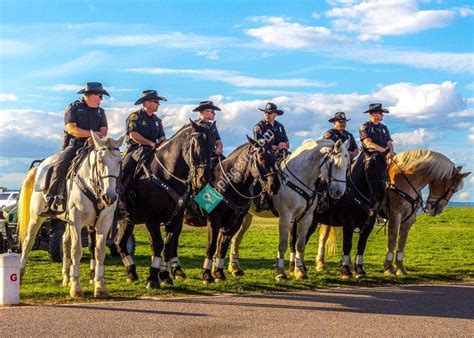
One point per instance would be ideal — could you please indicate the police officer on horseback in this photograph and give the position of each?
(339, 132)
(272, 131)
(374, 135)
(145, 131)
(80, 118)
(207, 113)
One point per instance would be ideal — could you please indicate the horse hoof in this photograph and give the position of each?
(152, 284)
(178, 272)
(76, 293)
(237, 273)
(166, 281)
(281, 277)
(345, 277)
(165, 278)
(346, 273)
(401, 273)
(207, 277)
(320, 266)
(300, 275)
(291, 268)
(131, 279)
(388, 273)
(100, 294)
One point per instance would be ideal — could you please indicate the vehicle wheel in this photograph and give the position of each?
(56, 243)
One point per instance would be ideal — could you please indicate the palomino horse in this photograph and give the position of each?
(409, 173)
(300, 174)
(234, 178)
(358, 208)
(162, 188)
(92, 197)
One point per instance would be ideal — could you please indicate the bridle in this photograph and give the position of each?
(448, 193)
(97, 179)
(329, 167)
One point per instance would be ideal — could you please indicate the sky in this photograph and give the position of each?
(311, 58)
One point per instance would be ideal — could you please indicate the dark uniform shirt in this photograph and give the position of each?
(335, 135)
(84, 117)
(214, 133)
(379, 133)
(263, 128)
(150, 127)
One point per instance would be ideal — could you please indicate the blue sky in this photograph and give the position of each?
(312, 58)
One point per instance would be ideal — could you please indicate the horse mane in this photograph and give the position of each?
(162, 145)
(436, 164)
(237, 151)
(308, 145)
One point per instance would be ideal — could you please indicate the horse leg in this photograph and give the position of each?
(33, 227)
(76, 254)
(393, 228)
(91, 244)
(302, 231)
(402, 241)
(156, 248)
(170, 251)
(324, 232)
(100, 234)
(224, 239)
(212, 234)
(124, 231)
(66, 256)
(176, 269)
(293, 237)
(347, 231)
(361, 244)
(234, 266)
(283, 226)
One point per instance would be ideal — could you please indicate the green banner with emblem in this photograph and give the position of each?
(208, 198)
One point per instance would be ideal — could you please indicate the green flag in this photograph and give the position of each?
(208, 198)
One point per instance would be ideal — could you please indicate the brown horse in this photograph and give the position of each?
(409, 173)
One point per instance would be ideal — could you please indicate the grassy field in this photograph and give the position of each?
(439, 250)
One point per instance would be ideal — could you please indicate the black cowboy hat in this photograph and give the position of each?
(203, 105)
(339, 116)
(150, 95)
(376, 108)
(93, 87)
(272, 107)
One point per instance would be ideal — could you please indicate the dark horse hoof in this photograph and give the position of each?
(132, 273)
(219, 275)
(346, 273)
(359, 272)
(177, 272)
(291, 267)
(152, 284)
(207, 277)
(165, 278)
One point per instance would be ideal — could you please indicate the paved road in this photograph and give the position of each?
(422, 310)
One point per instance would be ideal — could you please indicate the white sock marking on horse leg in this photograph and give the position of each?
(299, 259)
(219, 263)
(321, 252)
(174, 262)
(75, 272)
(292, 256)
(345, 260)
(164, 266)
(280, 263)
(128, 260)
(400, 256)
(389, 257)
(99, 271)
(93, 264)
(359, 259)
(207, 264)
(155, 262)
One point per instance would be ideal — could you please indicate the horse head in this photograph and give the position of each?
(441, 191)
(333, 168)
(375, 168)
(199, 155)
(264, 168)
(106, 167)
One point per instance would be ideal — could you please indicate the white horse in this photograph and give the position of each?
(92, 199)
(297, 198)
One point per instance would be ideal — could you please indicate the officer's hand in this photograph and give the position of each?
(274, 148)
(218, 149)
(90, 141)
(282, 145)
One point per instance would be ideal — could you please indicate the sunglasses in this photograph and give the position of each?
(154, 101)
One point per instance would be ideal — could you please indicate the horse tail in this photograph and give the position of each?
(24, 203)
(331, 243)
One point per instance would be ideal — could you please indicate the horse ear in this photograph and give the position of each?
(337, 146)
(464, 175)
(121, 139)
(194, 124)
(459, 167)
(251, 140)
(97, 141)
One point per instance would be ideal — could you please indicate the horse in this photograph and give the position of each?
(358, 207)
(233, 179)
(315, 164)
(179, 166)
(92, 199)
(409, 173)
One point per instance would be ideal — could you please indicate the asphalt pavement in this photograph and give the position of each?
(416, 310)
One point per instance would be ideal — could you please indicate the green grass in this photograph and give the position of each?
(439, 249)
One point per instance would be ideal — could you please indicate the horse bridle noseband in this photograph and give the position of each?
(97, 183)
(449, 192)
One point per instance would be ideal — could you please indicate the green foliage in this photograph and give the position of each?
(439, 249)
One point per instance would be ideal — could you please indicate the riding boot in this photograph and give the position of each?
(48, 211)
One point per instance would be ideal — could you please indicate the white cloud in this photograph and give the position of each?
(372, 19)
(231, 77)
(212, 55)
(12, 181)
(8, 97)
(282, 33)
(170, 40)
(471, 138)
(90, 60)
(75, 88)
(471, 179)
(13, 48)
(464, 195)
(416, 138)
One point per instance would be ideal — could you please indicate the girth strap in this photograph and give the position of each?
(308, 198)
(414, 202)
(98, 205)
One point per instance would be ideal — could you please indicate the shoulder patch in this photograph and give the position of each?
(257, 128)
(133, 117)
(363, 127)
(327, 135)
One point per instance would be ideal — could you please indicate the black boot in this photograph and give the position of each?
(48, 211)
(122, 213)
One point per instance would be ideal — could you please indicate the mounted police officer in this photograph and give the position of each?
(145, 131)
(272, 131)
(339, 132)
(80, 117)
(374, 135)
(207, 113)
